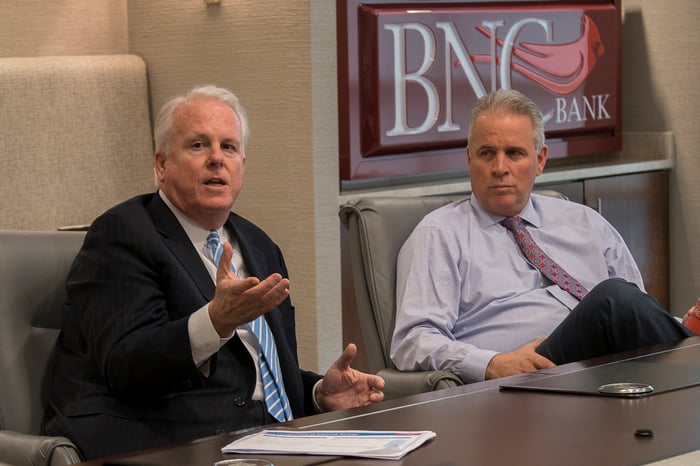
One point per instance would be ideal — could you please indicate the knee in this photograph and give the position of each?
(615, 288)
(618, 295)
(623, 297)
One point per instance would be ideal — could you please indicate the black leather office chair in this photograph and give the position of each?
(33, 267)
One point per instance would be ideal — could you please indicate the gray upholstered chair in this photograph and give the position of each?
(33, 267)
(377, 228)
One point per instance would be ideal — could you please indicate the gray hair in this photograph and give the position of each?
(164, 122)
(514, 102)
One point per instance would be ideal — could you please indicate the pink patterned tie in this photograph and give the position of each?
(542, 261)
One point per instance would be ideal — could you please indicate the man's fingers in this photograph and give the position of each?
(537, 342)
(241, 300)
(540, 362)
(543, 363)
(376, 383)
(528, 347)
(224, 268)
(273, 290)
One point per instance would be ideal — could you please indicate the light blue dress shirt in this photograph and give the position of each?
(465, 291)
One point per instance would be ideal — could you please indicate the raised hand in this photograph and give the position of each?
(344, 387)
(238, 301)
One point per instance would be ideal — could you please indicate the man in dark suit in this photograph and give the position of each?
(155, 346)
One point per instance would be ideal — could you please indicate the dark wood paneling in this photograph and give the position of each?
(571, 189)
(637, 206)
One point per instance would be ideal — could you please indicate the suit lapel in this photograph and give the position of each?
(179, 243)
(253, 257)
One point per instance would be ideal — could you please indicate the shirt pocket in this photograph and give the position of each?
(563, 296)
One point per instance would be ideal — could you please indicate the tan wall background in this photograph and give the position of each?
(50, 178)
(661, 71)
(62, 27)
(279, 57)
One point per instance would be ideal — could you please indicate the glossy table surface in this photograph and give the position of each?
(482, 424)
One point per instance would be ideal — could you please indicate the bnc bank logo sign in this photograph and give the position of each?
(560, 68)
(420, 71)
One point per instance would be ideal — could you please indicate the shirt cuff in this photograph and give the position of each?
(204, 339)
(317, 406)
(473, 368)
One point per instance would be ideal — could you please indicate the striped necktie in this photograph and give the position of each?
(276, 399)
(542, 261)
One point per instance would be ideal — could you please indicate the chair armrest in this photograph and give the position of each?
(399, 383)
(21, 449)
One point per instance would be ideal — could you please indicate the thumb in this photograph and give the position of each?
(348, 356)
(539, 340)
(224, 269)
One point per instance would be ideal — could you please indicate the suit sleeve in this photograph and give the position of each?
(136, 332)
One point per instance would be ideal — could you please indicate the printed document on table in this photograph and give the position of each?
(362, 443)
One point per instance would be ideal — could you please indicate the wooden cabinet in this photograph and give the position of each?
(637, 206)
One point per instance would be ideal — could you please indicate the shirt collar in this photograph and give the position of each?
(195, 233)
(486, 218)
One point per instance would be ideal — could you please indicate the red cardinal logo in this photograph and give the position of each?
(561, 68)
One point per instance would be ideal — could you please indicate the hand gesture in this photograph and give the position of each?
(238, 301)
(692, 312)
(343, 387)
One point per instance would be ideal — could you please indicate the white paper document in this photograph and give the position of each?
(362, 443)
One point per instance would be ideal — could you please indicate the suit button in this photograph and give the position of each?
(186, 384)
(238, 401)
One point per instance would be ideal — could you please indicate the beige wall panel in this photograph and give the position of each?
(661, 71)
(325, 160)
(75, 138)
(62, 27)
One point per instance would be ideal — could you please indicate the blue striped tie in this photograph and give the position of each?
(275, 397)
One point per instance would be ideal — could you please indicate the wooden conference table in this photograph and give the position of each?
(485, 424)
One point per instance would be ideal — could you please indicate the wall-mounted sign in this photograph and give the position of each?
(410, 72)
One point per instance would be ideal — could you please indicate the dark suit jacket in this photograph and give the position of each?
(122, 376)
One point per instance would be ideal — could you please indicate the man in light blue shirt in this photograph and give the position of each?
(470, 302)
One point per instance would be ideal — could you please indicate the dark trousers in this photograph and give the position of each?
(614, 316)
